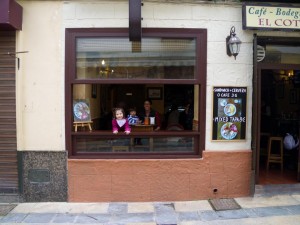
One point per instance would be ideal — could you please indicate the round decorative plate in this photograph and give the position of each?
(230, 109)
(81, 111)
(229, 131)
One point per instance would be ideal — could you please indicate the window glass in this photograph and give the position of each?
(136, 144)
(118, 58)
(282, 54)
(104, 71)
(175, 108)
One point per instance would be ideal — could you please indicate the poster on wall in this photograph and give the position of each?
(229, 113)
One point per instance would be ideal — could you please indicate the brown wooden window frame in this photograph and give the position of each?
(72, 34)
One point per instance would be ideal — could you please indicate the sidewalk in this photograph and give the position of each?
(265, 210)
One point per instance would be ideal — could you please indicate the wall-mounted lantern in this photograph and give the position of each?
(233, 43)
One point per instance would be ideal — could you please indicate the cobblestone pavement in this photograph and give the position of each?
(278, 209)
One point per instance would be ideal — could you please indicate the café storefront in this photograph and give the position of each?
(169, 66)
(88, 63)
(276, 91)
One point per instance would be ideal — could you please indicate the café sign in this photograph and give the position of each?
(267, 17)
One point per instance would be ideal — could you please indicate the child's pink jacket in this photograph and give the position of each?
(116, 127)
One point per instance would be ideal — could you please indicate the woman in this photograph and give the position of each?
(149, 112)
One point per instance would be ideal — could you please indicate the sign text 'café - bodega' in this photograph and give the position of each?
(270, 17)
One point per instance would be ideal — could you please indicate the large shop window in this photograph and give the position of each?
(104, 70)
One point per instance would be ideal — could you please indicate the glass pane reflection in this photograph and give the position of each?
(134, 144)
(282, 54)
(115, 58)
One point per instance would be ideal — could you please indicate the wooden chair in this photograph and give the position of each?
(275, 157)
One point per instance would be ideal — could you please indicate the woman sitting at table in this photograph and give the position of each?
(149, 112)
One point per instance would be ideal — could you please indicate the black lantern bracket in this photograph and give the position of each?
(14, 54)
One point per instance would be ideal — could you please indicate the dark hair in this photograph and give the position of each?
(116, 109)
(148, 100)
(132, 109)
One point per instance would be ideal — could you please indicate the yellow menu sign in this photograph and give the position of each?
(271, 17)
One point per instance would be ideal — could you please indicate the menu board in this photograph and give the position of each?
(229, 113)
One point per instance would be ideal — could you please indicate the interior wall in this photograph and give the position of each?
(158, 105)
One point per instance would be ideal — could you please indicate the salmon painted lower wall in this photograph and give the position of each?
(136, 180)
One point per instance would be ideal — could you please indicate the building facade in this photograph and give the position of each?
(79, 52)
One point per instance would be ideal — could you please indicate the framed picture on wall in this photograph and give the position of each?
(154, 93)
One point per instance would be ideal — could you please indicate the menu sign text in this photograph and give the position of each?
(229, 113)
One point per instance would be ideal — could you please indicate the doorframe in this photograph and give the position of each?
(257, 88)
(256, 97)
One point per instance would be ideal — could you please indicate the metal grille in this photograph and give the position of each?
(8, 144)
(224, 204)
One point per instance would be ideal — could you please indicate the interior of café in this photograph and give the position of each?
(165, 98)
(133, 96)
(279, 116)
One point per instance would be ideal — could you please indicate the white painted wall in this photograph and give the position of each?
(40, 80)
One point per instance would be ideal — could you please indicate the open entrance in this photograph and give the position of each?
(276, 110)
(279, 116)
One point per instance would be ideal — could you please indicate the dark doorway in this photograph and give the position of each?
(279, 115)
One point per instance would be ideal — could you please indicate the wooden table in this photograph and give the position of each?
(142, 128)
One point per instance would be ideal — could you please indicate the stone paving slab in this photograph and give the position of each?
(192, 206)
(6, 208)
(265, 201)
(188, 216)
(140, 207)
(273, 190)
(61, 207)
(13, 218)
(259, 210)
(284, 220)
(39, 218)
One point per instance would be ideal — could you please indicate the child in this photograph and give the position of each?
(120, 123)
(132, 117)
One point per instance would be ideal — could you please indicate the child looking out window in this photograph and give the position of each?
(132, 117)
(120, 123)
